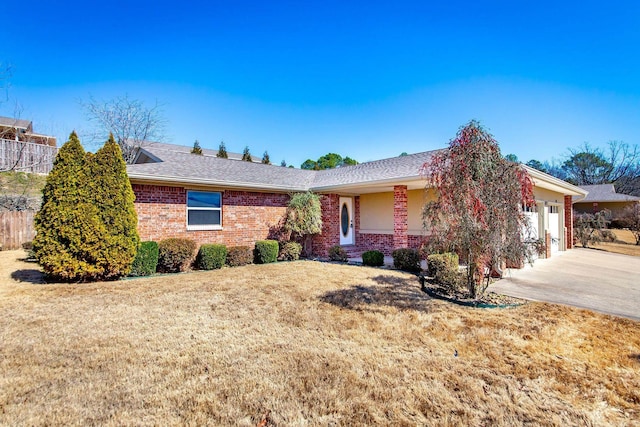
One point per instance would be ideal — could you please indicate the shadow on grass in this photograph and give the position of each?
(30, 275)
(390, 291)
(635, 357)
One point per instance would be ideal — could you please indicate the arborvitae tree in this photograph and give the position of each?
(196, 148)
(67, 222)
(110, 191)
(283, 164)
(265, 159)
(222, 151)
(246, 156)
(86, 228)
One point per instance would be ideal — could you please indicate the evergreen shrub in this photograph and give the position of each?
(444, 269)
(211, 256)
(86, 228)
(266, 251)
(406, 259)
(175, 255)
(239, 255)
(337, 253)
(373, 258)
(290, 251)
(146, 260)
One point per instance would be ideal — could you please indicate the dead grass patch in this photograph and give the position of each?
(625, 244)
(315, 343)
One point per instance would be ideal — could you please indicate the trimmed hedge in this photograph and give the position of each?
(290, 251)
(146, 261)
(266, 251)
(337, 253)
(444, 269)
(373, 258)
(211, 256)
(239, 255)
(407, 260)
(175, 254)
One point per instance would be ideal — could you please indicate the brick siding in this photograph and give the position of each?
(568, 221)
(330, 205)
(400, 217)
(246, 216)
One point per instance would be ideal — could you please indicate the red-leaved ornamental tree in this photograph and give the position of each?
(478, 213)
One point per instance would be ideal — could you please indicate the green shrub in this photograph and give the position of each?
(406, 260)
(175, 254)
(290, 251)
(239, 255)
(337, 253)
(211, 256)
(266, 251)
(86, 228)
(373, 258)
(146, 260)
(444, 269)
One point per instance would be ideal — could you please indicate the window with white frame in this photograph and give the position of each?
(553, 209)
(204, 210)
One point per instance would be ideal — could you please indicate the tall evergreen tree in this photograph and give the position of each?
(246, 155)
(222, 151)
(86, 228)
(283, 164)
(66, 224)
(110, 191)
(265, 158)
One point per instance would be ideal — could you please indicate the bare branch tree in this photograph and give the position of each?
(129, 120)
(620, 165)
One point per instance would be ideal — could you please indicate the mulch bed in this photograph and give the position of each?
(461, 296)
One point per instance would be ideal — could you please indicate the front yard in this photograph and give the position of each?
(625, 244)
(314, 343)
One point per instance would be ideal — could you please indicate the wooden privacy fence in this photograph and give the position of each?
(16, 228)
(26, 156)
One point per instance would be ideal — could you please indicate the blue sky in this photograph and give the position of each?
(363, 79)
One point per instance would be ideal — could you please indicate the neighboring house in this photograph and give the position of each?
(372, 205)
(21, 149)
(602, 197)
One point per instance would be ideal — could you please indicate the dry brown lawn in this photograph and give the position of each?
(314, 343)
(625, 245)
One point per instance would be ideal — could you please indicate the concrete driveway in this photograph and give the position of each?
(586, 278)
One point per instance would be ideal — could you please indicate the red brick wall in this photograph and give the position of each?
(378, 242)
(384, 242)
(568, 221)
(400, 217)
(330, 204)
(415, 242)
(246, 216)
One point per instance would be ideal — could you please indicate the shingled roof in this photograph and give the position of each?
(15, 123)
(604, 193)
(166, 163)
(163, 147)
(391, 169)
(179, 165)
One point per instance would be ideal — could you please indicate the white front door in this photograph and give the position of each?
(346, 221)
